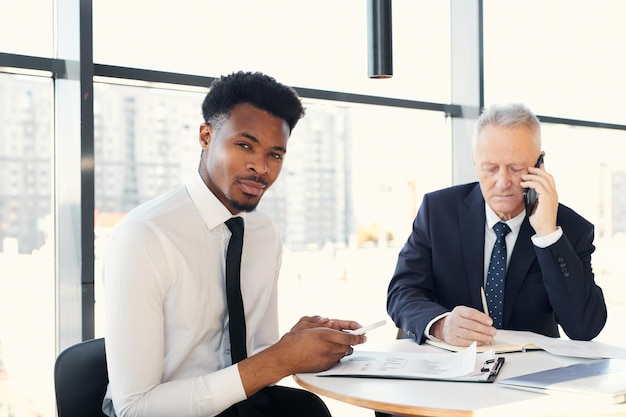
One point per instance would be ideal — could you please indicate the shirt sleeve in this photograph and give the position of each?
(136, 279)
(427, 334)
(547, 240)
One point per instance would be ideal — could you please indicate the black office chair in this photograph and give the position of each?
(80, 379)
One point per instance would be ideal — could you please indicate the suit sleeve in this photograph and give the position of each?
(568, 278)
(411, 292)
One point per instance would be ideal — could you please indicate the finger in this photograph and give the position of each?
(344, 324)
(480, 317)
(481, 332)
(467, 336)
(479, 322)
(307, 322)
(462, 314)
(341, 351)
(342, 338)
(305, 325)
(313, 319)
(350, 351)
(466, 325)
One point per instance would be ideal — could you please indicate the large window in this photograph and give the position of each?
(27, 281)
(561, 57)
(358, 163)
(316, 44)
(26, 27)
(589, 168)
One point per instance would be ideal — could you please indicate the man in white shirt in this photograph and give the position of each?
(167, 335)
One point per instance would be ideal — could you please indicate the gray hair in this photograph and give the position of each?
(508, 115)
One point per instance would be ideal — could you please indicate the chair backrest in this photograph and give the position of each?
(80, 379)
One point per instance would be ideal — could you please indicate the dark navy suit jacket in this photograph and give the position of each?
(441, 267)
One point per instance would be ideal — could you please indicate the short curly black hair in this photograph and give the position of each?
(255, 88)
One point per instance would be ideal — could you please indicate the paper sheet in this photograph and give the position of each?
(413, 365)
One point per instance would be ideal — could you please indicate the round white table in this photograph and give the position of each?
(459, 399)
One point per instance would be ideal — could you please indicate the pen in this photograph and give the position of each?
(484, 300)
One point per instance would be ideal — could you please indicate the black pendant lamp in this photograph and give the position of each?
(379, 42)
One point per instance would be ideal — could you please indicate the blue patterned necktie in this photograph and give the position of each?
(496, 274)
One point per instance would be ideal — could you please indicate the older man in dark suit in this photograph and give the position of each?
(546, 265)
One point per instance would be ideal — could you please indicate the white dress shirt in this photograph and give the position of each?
(166, 321)
(515, 224)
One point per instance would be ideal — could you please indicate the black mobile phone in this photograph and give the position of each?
(530, 195)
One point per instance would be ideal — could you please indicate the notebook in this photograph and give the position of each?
(519, 341)
(506, 341)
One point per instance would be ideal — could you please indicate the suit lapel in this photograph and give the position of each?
(472, 226)
(521, 259)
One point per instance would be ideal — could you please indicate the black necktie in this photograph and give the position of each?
(234, 302)
(494, 288)
(237, 321)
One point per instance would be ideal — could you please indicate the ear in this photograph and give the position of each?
(205, 134)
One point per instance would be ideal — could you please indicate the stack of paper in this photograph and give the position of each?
(603, 379)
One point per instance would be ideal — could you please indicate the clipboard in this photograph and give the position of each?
(414, 366)
(489, 372)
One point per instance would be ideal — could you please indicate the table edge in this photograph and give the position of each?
(383, 406)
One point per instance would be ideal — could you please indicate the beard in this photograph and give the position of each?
(248, 203)
(245, 206)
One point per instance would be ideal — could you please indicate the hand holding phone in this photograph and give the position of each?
(530, 195)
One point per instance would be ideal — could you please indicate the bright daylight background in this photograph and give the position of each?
(562, 58)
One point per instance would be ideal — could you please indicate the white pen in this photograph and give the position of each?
(484, 300)
(367, 328)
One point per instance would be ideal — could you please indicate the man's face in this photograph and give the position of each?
(501, 156)
(242, 156)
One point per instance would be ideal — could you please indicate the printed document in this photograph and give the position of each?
(465, 365)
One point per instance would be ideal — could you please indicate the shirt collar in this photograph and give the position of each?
(492, 218)
(213, 212)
